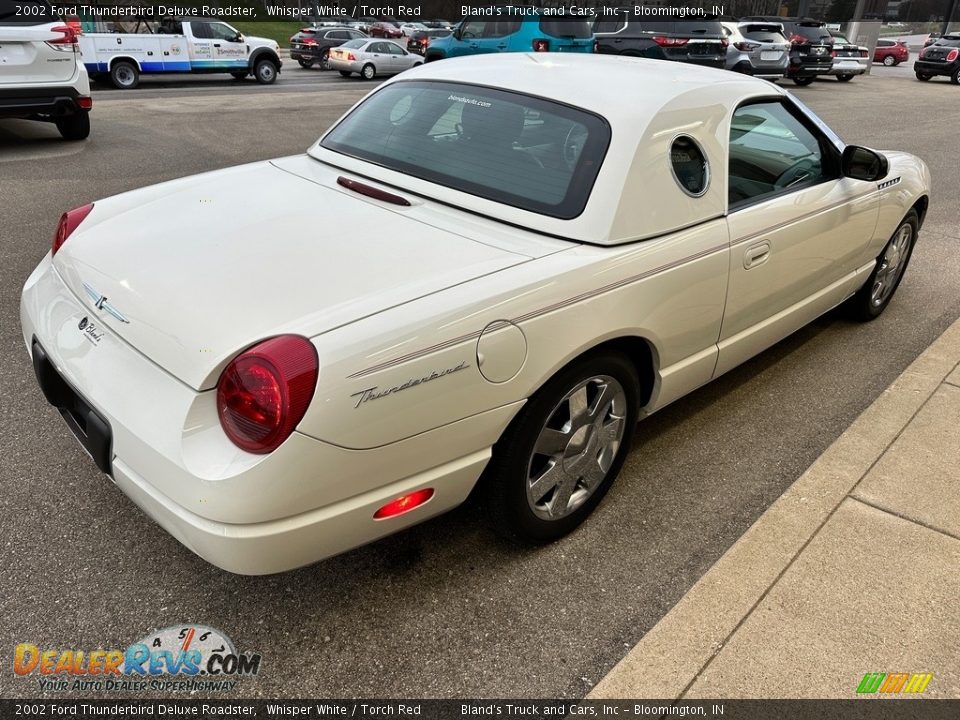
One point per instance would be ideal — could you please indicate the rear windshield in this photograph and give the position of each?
(949, 41)
(691, 28)
(512, 148)
(762, 34)
(812, 32)
(566, 28)
(25, 12)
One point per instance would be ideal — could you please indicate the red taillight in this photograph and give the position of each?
(746, 46)
(541, 45)
(264, 392)
(68, 223)
(922, 53)
(797, 39)
(351, 57)
(669, 42)
(833, 53)
(84, 103)
(863, 52)
(309, 41)
(67, 41)
(403, 504)
(952, 55)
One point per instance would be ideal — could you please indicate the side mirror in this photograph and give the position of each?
(863, 163)
(238, 38)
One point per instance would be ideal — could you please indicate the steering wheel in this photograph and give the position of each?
(573, 145)
(801, 170)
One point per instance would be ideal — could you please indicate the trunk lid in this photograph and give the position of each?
(203, 267)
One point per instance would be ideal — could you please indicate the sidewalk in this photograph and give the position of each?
(855, 569)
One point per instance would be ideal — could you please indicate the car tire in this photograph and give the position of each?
(803, 81)
(75, 126)
(955, 76)
(889, 61)
(240, 75)
(923, 77)
(368, 72)
(345, 73)
(325, 60)
(872, 299)
(124, 75)
(265, 71)
(305, 64)
(576, 430)
(845, 78)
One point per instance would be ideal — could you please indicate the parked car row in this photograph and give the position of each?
(766, 46)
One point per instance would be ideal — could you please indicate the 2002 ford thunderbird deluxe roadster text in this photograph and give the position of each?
(533, 265)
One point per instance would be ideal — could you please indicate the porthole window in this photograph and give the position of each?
(690, 167)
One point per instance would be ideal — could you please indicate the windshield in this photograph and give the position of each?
(567, 28)
(354, 44)
(518, 150)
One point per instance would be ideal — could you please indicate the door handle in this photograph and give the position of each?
(756, 255)
(216, 44)
(502, 46)
(474, 45)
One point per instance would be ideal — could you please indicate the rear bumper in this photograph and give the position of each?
(30, 101)
(307, 54)
(160, 442)
(848, 66)
(279, 545)
(760, 69)
(801, 68)
(935, 68)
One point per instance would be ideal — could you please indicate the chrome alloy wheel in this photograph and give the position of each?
(576, 447)
(892, 264)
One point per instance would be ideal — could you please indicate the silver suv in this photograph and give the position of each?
(757, 48)
(41, 76)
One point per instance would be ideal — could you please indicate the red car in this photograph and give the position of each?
(891, 52)
(383, 29)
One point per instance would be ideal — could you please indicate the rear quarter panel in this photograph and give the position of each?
(669, 291)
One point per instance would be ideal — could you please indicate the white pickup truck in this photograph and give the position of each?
(179, 45)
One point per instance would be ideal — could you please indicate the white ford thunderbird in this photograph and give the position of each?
(543, 250)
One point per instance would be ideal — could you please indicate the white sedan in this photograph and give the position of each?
(543, 249)
(371, 57)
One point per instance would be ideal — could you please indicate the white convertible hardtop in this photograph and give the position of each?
(647, 104)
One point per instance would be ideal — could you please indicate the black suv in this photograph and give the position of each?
(700, 41)
(941, 58)
(811, 47)
(312, 45)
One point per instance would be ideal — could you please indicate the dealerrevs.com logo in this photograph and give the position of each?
(178, 658)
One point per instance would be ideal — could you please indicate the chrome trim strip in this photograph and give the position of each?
(542, 311)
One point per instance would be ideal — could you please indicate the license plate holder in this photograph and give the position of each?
(90, 428)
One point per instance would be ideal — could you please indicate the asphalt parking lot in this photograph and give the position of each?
(445, 609)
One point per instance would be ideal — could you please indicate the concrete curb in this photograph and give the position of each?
(669, 658)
